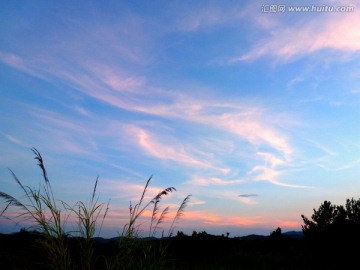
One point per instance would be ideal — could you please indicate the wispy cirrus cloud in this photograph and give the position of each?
(204, 181)
(20, 63)
(333, 31)
(243, 122)
(178, 153)
(15, 140)
(239, 123)
(115, 78)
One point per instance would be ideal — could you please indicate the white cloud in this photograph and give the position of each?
(339, 32)
(203, 181)
(233, 122)
(22, 64)
(167, 151)
(355, 91)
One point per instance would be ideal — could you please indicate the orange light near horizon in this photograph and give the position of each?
(290, 224)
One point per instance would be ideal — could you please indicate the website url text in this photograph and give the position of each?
(284, 8)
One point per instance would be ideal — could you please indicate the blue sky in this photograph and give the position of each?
(255, 114)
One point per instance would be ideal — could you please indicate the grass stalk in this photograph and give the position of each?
(87, 216)
(41, 208)
(179, 213)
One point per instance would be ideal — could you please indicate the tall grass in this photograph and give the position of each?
(138, 209)
(179, 214)
(50, 216)
(88, 216)
(40, 207)
(135, 254)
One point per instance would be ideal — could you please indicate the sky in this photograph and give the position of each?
(250, 107)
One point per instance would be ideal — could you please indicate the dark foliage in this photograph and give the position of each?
(199, 251)
(276, 234)
(333, 233)
(330, 217)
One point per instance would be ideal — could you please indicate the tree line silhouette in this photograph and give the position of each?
(333, 219)
(332, 235)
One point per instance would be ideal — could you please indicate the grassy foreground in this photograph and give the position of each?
(60, 249)
(201, 251)
(331, 237)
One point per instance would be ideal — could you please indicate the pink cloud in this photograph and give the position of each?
(289, 224)
(203, 181)
(179, 153)
(265, 173)
(15, 140)
(22, 64)
(130, 191)
(247, 200)
(14, 61)
(340, 32)
(244, 123)
(115, 78)
(253, 130)
(208, 218)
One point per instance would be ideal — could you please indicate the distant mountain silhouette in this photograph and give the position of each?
(105, 240)
(289, 234)
(294, 234)
(253, 237)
